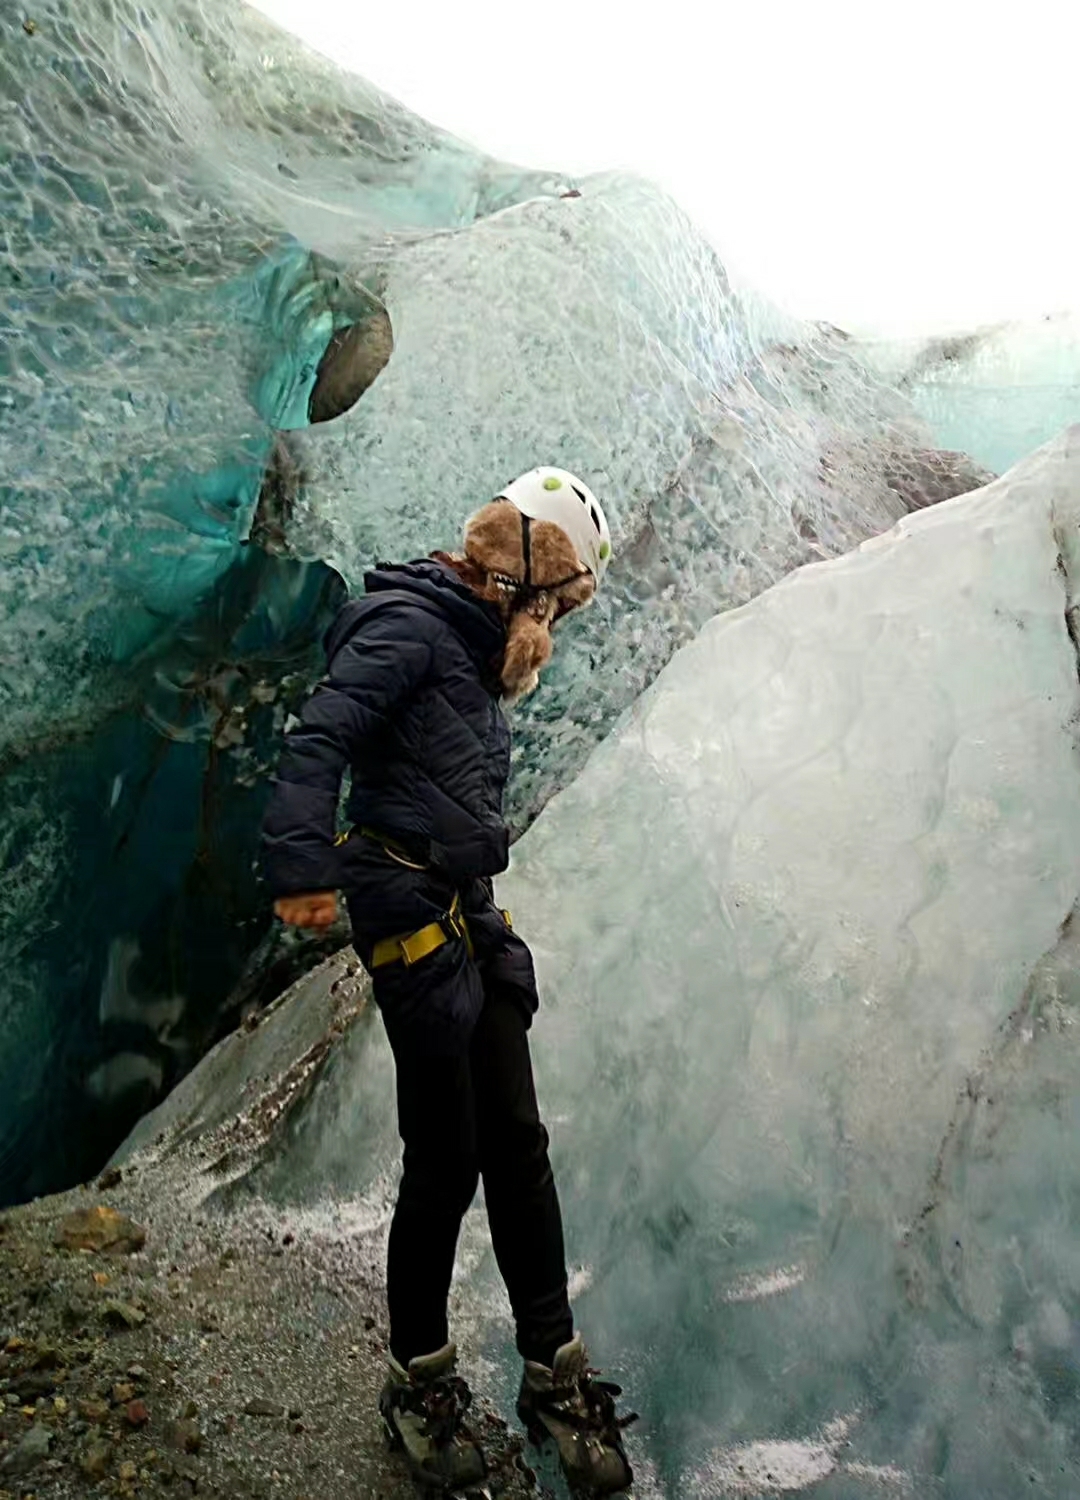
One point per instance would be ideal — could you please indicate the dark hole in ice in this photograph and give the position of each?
(353, 358)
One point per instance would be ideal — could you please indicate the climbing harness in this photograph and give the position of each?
(409, 948)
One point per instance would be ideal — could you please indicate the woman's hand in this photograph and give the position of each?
(311, 909)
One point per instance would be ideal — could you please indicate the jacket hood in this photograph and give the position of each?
(434, 587)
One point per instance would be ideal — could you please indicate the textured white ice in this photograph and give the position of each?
(809, 1047)
(996, 392)
(790, 924)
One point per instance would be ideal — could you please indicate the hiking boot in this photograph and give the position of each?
(423, 1409)
(577, 1412)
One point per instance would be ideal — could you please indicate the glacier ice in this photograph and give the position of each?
(832, 1025)
(996, 392)
(807, 937)
(211, 242)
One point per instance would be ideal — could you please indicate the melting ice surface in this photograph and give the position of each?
(806, 930)
(996, 392)
(210, 240)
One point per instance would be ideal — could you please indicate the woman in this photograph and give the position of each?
(411, 705)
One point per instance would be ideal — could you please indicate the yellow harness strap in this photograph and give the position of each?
(410, 947)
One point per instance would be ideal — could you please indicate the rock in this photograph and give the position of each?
(136, 1414)
(32, 1450)
(110, 1178)
(101, 1229)
(260, 1407)
(184, 1435)
(94, 1460)
(96, 1412)
(137, 1372)
(353, 358)
(123, 1315)
(34, 1383)
(46, 1357)
(128, 1472)
(190, 1411)
(75, 1313)
(122, 1392)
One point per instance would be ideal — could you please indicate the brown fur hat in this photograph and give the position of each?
(494, 565)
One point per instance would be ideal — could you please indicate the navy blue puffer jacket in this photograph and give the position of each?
(410, 704)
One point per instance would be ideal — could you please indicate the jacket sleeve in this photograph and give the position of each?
(374, 672)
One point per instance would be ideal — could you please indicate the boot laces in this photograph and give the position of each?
(442, 1403)
(589, 1406)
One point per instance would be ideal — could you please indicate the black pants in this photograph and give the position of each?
(458, 1029)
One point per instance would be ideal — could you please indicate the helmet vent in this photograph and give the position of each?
(595, 517)
(578, 493)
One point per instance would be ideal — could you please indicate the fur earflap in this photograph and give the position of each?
(528, 651)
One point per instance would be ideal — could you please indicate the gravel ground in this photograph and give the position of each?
(163, 1342)
(218, 1360)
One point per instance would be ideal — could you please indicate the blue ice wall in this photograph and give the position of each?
(210, 238)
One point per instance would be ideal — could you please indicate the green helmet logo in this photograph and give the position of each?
(552, 483)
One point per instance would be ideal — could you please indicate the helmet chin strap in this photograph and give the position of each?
(526, 552)
(525, 588)
(526, 547)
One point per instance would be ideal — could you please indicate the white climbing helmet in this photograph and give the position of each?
(555, 495)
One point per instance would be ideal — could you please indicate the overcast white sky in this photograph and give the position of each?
(895, 166)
